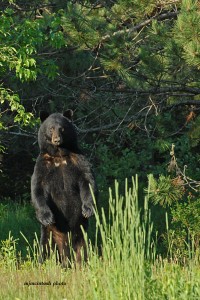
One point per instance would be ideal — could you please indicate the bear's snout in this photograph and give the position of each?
(56, 139)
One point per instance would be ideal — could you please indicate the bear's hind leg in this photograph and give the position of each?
(80, 249)
(61, 240)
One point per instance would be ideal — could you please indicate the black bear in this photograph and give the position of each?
(61, 187)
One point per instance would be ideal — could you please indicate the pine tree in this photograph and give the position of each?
(187, 32)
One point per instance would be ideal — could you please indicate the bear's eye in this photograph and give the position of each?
(51, 129)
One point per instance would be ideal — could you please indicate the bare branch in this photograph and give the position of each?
(188, 102)
(158, 90)
(183, 179)
(110, 126)
(30, 135)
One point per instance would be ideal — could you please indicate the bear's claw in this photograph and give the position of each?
(46, 218)
(87, 212)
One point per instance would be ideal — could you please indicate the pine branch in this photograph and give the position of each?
(165, 16)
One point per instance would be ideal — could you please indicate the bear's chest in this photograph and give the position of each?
(53, 162)
(61, 185)
(60, 174)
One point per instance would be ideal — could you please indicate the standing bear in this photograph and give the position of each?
(61, 188)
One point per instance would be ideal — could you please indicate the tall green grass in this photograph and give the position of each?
(16, 218)
(122, 262)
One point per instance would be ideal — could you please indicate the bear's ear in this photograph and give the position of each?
(43, 115)
(68, 114)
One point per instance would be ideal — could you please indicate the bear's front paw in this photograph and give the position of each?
(45, 217)
(87, 211)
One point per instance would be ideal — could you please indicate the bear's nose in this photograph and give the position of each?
(56, 140)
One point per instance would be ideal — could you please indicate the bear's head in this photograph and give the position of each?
(57, 133)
